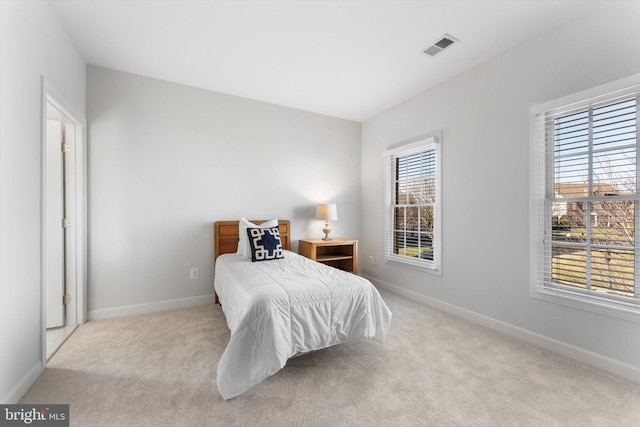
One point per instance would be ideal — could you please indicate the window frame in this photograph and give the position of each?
(421, 144)
(542, 176)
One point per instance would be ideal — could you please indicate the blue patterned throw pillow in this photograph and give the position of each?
(265, 243)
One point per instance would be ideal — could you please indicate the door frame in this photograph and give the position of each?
(76, 250)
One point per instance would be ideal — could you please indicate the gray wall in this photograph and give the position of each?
(166, 161)
(484, 117)
(32, 45)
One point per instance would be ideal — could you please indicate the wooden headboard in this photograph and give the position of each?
(226, 236)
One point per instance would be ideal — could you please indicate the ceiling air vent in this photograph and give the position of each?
(441, 44)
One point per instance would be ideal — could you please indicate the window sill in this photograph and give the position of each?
(604, 306)
(411, 266)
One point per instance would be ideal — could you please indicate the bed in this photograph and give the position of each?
(283, 307)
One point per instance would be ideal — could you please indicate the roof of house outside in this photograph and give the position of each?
(564, 189)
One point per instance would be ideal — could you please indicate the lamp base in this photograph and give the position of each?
(326, 232)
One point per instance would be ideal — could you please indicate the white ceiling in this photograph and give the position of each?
(348, 59)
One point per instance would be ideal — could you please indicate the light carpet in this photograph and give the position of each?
(434, 369)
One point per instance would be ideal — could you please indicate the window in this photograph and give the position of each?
(412, 231)
(588, 200)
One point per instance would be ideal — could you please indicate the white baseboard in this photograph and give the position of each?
(15, 394)
(616, 367)
(130, 310)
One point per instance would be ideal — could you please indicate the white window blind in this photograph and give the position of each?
(588, 203)
(412, 204)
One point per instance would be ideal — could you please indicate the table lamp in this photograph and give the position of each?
(327, 212)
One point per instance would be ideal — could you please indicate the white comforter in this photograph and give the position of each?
(277, 309)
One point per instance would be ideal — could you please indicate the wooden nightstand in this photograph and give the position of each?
(338, 253)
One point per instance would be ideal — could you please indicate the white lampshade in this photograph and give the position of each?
(327, 212)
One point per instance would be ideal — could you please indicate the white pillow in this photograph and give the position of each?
(243, 242)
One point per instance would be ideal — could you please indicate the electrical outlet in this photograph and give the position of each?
(194, 274)
(375, 260)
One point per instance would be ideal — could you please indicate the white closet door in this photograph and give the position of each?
(54, 237)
